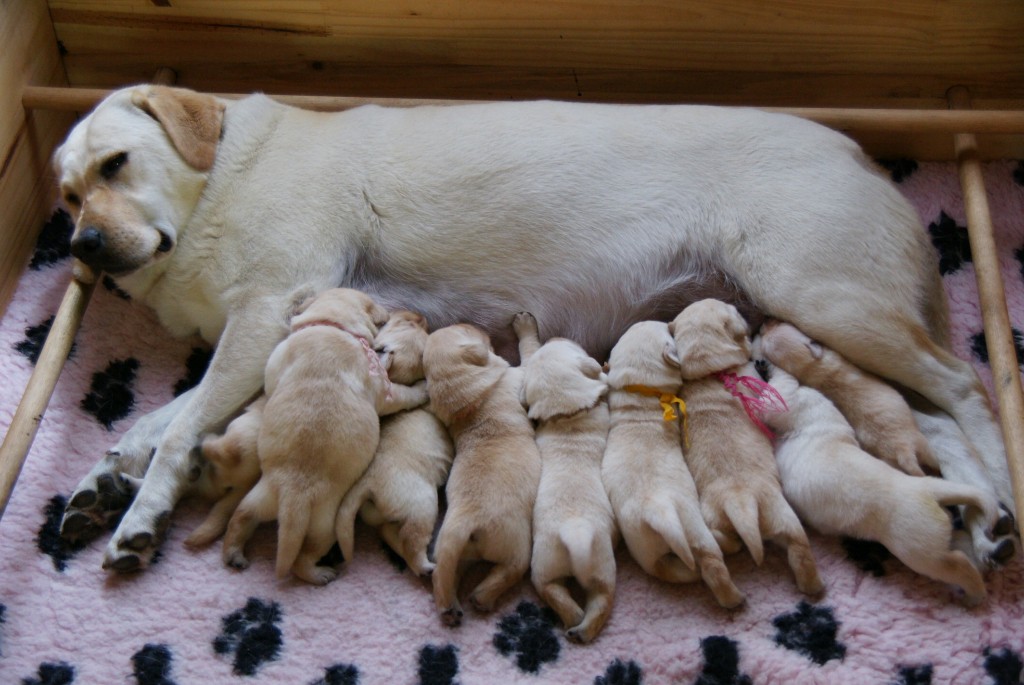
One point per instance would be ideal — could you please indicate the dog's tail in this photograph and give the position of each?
(578, 536)
(949, 493)
(345, 521)
(664, 520)
(743, 515)
(293, 516)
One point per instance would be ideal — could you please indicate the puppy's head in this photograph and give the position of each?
(710, 336)
(645, 355)
(400, 345)
(132, 172)
(787, 346)
(353, 310)
(460, 367)
(561, 379)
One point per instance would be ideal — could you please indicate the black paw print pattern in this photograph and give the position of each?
(528, 635)
(811, 631)
(195, 367)
(49, 540)
(438, 665)
(868, 555)
(979, 346)
(251, 634)
(899, 169)
(1018, 173)
(1004, 666)
(621, 673)
(721, 662)
(59, 673)
(339, 674)
(951, 242)
(914, 675)
(151, 665)
(111, 397)
(35, 336)
(54, 241)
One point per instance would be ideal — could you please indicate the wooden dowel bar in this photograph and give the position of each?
(995, 317)
(915, 120)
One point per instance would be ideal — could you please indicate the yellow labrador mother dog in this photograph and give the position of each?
(221, 214)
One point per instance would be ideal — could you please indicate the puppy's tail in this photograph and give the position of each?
(345, 521)
(292, 524)
(577, 535)
(664, 520)
(949, 493)
(743, 515)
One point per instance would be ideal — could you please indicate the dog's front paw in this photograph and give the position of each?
(135, 542)
(95, 506)
(452, 617)
(524, 323)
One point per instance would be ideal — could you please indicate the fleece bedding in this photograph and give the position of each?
(188, 620)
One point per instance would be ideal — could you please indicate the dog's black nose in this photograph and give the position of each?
(88, 243)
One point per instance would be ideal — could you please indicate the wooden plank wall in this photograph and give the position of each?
(29, 56)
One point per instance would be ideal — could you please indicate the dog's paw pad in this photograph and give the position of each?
(237, 561)
(451, 617)
(1004, 551)
(123, 564)
(524, 322)
(529, 636)
(1004, 524)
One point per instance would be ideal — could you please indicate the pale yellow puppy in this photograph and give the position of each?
(574, 531)
(325, 391)
(492, 486)
(398, 493)
(730, 457)
(840, 489)
(648, 484)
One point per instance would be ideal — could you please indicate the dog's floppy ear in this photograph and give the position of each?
(474, 352)
(568, 393)
(671, 354)
(816, 349)
(379, 314)
(192, 121)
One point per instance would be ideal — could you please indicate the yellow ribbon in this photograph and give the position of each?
(666, 399)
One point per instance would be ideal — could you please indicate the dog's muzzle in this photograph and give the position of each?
(88, 245)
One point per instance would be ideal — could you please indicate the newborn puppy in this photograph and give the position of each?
(880, 417)
(574, 532)
(233, 467)
(730, 457)
(398, 493)
(493, 482)
(325, 390)
(649, 486)
(838, 488)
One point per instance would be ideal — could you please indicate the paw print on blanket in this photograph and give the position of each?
(811, 631)
(979, 346)
(49, 540)
(899, 169)
(915, 675)
(339, 674)
(35, 336)
(195, 367)
(868, 555)
(1004, 666)
(110, 397)
(151, 665)
(52, 674)
(528, 634)
(619, 673)
(951, 242)
(438, 665)
(54, 241)
(721, 662)
(252, 635)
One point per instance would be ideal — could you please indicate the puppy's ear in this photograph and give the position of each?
(474, 352)
(671, 354)
(192, 121)
(379, 314)
(816, 349)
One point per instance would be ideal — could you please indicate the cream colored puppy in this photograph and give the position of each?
(730, 456)
(650, 488)
(398, 493)
(492, 486)
(574, 531)
(325, 390)
(838, 488)
(233, 467)
(880, 417)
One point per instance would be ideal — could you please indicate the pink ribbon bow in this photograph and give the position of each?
(763, 398)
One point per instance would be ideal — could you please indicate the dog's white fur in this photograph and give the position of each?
(574, 531)
(837, 488)
(398, 493)
(651, 490)
(493, 482)
(319, 431)
(732, 461)
(220, 215)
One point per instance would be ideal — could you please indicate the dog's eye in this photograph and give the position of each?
(113, 164)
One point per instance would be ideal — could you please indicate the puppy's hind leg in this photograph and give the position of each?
(556, 595)
(319, 538)
(451, 541)
(783, 527)
(259, 505)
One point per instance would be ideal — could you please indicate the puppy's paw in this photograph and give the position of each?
(235, 559)
(452, 617)
(524, 323)
(96, 505)
(135, 542)
(316, 575)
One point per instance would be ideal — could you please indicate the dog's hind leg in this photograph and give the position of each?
(319, 538)
(556, 595)
(259, 505)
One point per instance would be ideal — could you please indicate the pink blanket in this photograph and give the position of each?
(189, 620)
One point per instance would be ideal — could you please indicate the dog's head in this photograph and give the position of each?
(461, 367)
(353, 310)
(400, 345)
(133, 170)
(645, 355)
(710, 336)
(787, 346)
(561, 379)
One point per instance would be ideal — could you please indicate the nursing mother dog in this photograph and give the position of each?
(222, 215)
